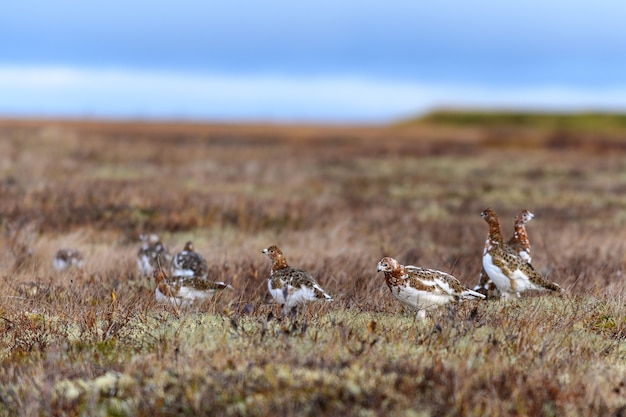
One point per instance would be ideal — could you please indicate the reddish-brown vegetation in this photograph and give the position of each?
(337, 199)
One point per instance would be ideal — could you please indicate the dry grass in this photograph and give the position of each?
(336, 199)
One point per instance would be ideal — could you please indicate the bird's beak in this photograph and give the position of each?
(264, 251)
(380, 267)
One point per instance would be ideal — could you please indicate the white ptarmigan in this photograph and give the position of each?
(189, 263)
(519, 242)
(66, 258)
(183, 291)
(421, 288)
(510, 273)
(152, 255)
(291, 287)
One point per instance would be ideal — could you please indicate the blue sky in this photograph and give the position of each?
(279, 60)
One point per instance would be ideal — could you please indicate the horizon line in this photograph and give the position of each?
(79, 92)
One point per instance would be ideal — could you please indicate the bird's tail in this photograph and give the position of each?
(553, 287)
(472, 294)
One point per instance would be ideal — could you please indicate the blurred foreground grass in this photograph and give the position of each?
(535, 356)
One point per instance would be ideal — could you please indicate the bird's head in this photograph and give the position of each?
(272, 252)
(276, 257)
(388, 264)
(153, 239)
(524, 216)
(489, 215)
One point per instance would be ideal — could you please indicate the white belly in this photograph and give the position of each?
(299, 296)
(294, 296)
(276, 293)
(501, 281)
(421, 300)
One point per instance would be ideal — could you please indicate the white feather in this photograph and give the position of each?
(496, 275)
(525, 256)
(522, 283)
(276, 293)
(295, 296)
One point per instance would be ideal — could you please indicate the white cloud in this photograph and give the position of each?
(75, 92)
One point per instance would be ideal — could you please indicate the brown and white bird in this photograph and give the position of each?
(291, 287)
(519, 242)
(421, 288)
(189, 263)
(510, 273)
(66, 258)
(152, 255)
(183, 291)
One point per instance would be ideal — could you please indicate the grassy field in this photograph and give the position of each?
(335, 199)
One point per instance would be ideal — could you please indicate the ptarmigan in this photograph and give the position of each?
(421, 288)
(152, 255)
(182, 291)
(505, 267)
(291, 287)
(519, 242)
(66, 258)
(189, 263)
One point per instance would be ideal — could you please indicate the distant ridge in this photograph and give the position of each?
(589, 121)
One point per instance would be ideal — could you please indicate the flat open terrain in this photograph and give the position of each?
(335, 199)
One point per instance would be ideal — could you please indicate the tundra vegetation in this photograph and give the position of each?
(93, 341)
